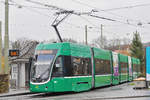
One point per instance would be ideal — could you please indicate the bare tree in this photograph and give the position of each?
(64, 40)
(50, 41)
(111, 44)
(25, 46)
(21, 43)
(114, 43)
(69, 40)
(100, 43)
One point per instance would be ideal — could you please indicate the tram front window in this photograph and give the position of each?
(41, 67)
(58, 67)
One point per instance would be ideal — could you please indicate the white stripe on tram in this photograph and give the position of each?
(77, 76)
(86, 76)
(104, 75)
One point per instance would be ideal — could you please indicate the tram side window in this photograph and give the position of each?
(87, 67)
(58, 68)
(102, 67)
(134, 69)
(138, 68)
(107, 67)
(81, 66)
(99, 67)
(124, 67)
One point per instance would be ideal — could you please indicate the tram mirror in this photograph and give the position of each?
(58, 65)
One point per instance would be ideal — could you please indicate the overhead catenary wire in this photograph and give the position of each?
(27, 7)
(12, 3)
(102, 18)
(115, 21)
(61, 10)
(90, 14)
(84, 18)
(78, 13)
(33, 10)
(87, 20)
(56, 8)
(38, 12)
(128, 7)
(46, 7)
(103, 10)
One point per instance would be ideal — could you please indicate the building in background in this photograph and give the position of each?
(123, 49)
(19, 67)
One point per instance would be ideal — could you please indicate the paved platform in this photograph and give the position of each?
(15, 92)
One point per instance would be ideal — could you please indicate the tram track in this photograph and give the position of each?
(89, 98)
(115, 98)
(65, 96)
(110, 93)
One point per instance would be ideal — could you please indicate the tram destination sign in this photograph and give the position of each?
(46, 51)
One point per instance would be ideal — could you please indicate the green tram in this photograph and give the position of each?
(136, 67)
(123, 68)
(61, 67)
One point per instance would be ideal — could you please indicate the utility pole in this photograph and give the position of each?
(102, 36)
(86, 34)
(1, 69)
(6, 38)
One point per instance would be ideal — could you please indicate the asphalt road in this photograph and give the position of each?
(120, 92)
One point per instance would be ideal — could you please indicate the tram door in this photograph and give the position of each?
(93, 73)
(115, 74)
(130, 69)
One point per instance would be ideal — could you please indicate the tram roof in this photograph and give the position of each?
(76, 50)
(135, 60)
(123, 58)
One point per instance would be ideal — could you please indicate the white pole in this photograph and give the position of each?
(86, 35)
(6, 39)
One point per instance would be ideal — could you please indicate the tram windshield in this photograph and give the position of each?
(41, 67)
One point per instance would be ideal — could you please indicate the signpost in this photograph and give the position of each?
(14, 53)
(148, 64)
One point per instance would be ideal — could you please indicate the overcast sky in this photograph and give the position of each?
(35, 23)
